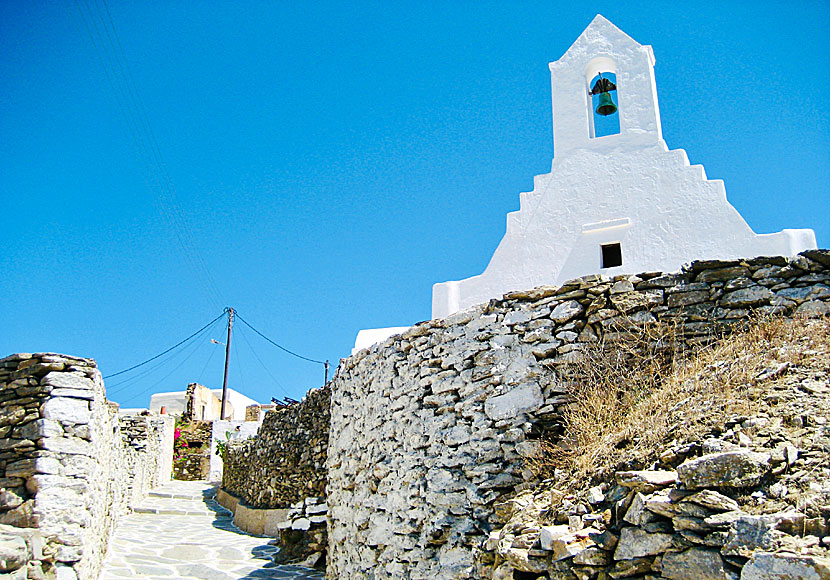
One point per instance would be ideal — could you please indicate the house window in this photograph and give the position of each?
(611, 255)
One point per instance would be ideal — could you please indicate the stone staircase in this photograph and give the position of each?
(178, 498)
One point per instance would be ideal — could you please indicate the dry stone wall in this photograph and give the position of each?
(286, 462)
(429, 428)
(147, 453)
(66, 467)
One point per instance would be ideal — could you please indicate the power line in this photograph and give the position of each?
(168, 350)
(110, 53)
(277, 345)
(238, 368)
(204, 368)
(256, 356)
(194, 348)
(132, 379)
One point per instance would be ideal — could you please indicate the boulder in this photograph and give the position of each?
(570, 545)
(737, 468)
(565, 311)
(813, 309)
(67, 410)
(694, 564)
(67, 381)
(547, 534)
(752, 296)
(713, 500)
(520, 400)
(637, 513)
(646, 481)
(782, 566)
(750, 533)
(14, 553)
(636, 543)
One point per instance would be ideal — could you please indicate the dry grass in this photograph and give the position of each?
(635, 398)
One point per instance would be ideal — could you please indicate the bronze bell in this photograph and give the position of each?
(603, 88)
(606, 105)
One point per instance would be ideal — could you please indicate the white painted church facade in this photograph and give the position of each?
(612, 204)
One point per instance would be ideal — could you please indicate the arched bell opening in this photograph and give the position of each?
(604, 115)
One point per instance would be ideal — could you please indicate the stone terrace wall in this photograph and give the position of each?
(429, 428)
(286, 461)
(64, 468)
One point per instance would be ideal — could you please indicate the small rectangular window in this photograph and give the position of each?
(611, 255)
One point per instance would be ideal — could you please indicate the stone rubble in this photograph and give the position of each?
(749, 501)
(303, 535)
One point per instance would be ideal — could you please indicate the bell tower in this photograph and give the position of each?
(581, 81)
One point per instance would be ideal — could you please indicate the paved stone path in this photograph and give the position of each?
(180, 531)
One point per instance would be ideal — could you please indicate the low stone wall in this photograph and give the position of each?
(428, 429)
(286, 462)
(66, 469)
(258, 521)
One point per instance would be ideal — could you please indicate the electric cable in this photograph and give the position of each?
(204, 368)
(126, 383)
(174, 369)
(265, 368)
(238, 369)
(168, 350)
(277, 345)
(111, 56)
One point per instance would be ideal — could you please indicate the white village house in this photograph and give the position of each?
(207, 405)
(617, 200)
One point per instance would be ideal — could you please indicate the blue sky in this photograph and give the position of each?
(323, 164)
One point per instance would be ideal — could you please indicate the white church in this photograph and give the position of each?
(617, 200)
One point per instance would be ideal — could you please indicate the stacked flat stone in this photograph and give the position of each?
(65, 469)
(303, 537)
(147, 451)
(429, 428)
(286, 462)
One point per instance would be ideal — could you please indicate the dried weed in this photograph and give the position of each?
(632, 398)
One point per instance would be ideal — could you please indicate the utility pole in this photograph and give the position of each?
(227, 359)
(326, 381)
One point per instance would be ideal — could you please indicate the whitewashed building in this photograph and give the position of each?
(175, 403)
(617, 200)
